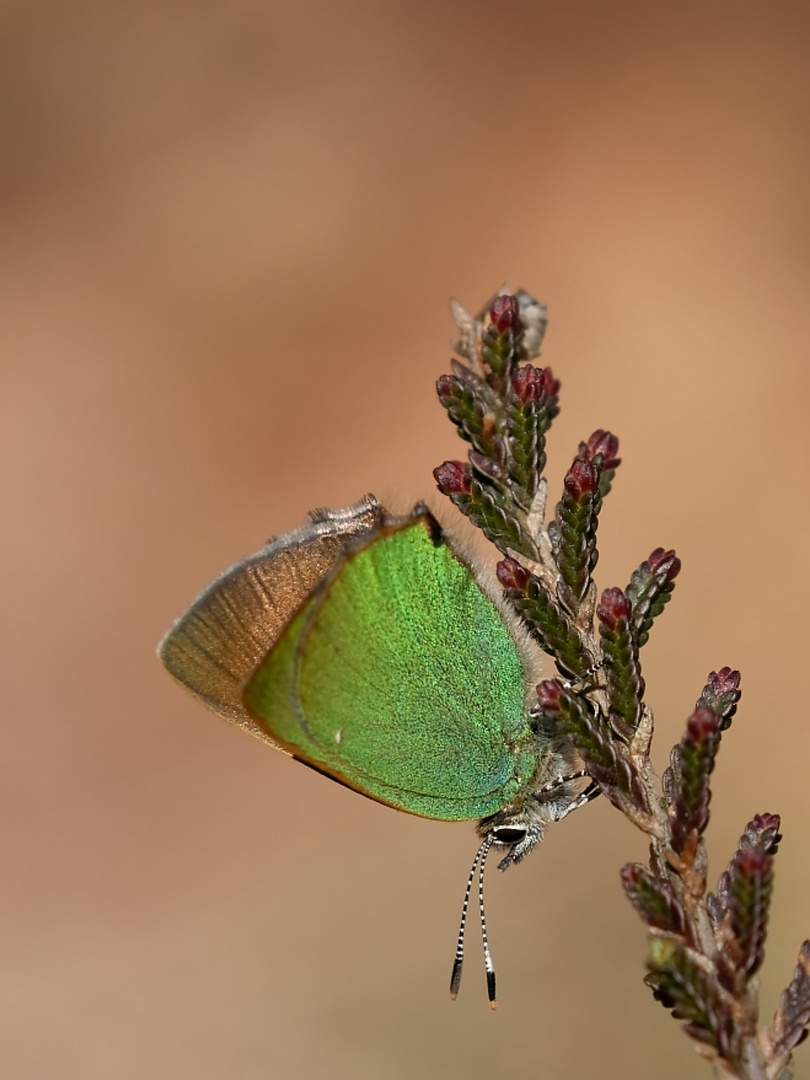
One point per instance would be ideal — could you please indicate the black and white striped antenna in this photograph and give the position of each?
(479, 862)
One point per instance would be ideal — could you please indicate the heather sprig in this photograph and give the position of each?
(705, 948)
(687, 780)
(656, 902)
(550, 626)
(624, 684)
(503, 406)
(573, 531)
(576, 715)
(650, 589)
(789, 1026)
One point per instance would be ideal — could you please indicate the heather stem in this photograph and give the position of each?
(705, 949)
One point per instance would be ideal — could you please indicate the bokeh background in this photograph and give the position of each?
(229, 232)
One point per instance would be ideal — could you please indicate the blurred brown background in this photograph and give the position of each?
(229, 231)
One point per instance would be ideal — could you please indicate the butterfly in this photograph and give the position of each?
(366, 646)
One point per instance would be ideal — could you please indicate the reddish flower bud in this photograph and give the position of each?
(548, 694)
(512, 575)
(724, 680)
(453, 478)
(505, 314)
(446, 385)
(581, 479)
(604, 443)
(767, 822)
(613, 607)
(528, 384)
(664, 562)
(631, 874)
(762, 832)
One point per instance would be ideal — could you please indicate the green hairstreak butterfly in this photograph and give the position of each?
(365, 646)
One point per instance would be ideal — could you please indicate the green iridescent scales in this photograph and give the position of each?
(399, 677)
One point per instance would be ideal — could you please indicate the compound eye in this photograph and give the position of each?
(508, 834)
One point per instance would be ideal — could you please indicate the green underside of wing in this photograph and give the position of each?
(400, 679)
